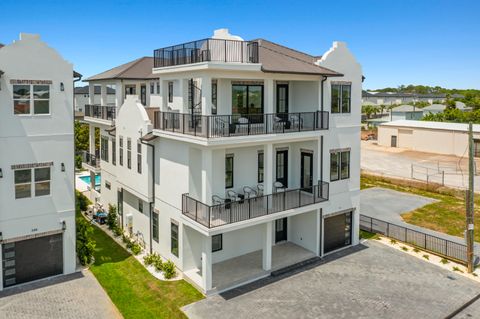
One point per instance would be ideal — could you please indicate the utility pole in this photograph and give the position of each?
(470, 201)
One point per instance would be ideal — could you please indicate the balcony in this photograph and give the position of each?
(212, 216)
(214, 126)
(207, 50)
(100, 112)
(90, 161)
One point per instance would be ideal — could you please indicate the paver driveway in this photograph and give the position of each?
(370, 280)
(78, 295)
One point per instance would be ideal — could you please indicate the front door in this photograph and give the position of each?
(281, 230)
(282, 167)
(143, 94)
(393, 141)
(306, 167)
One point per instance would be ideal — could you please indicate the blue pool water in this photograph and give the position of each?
(86, 179)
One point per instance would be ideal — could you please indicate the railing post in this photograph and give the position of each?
(209, 216)
(225, 50)
(425, 241)
(371, 225)
(406, 229)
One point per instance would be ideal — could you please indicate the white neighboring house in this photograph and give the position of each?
(252, 162)
(37, 201)
(82, 97)
(439, 108)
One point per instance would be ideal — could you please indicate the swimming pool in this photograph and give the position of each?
(86, 179)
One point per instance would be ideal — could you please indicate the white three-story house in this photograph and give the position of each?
(246, 160)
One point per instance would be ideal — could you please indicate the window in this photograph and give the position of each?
(158, 87)
(152, 88)
(214, 97)
(139, 157)
(174, 238)
(217, 243)
(341, 98)
(129, 153)
(260, 167)
(120, 150)
(476, 152)
(170, 92)
(108, 185)
(23, 182)
(26, 95)
(247, 99)
(339, 165)
(155, 226)
(114, 151)
(104, 148)
(140, 206)
(229, 171)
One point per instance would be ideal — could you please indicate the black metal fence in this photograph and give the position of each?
(439, 246)
(248, 208)
(90, 159)
(211, 126)
(100, 111)
(218, 50)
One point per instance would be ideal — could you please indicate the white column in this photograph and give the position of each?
(91, 139)
(118, 94)
(319, 159)
(103, 94)
(267, 246)
(320, 95)
(207, 175)
(148, 90)
(269, 97)
(268, 169)
(183, 88)
(163, 95)
(318, 249)
(206, 95)
(91, 93)
(207, 263)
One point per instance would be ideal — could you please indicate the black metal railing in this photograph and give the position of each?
(90, 159)
(217, 50)
(100, 111)
(436, 245)
(247, 208)
(211, 126)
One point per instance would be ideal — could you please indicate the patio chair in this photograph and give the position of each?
(295, 121)
(242, 126)
(249, 192)
(260, 189)
(278, 187)
(278, 123)
(220, 127)
(232, 195)
(217, 200)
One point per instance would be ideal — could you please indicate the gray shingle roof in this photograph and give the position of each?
(137, 69)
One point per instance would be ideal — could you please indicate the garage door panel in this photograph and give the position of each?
(337, 232)
(32, 259)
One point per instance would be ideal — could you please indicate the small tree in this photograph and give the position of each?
(85, 244)
(112, 217)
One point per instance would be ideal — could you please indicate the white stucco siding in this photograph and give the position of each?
(304, 96)
(302, 230)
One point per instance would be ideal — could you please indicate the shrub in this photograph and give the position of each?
(444, 261)
(404, 248)
(455, 268)
(158, 264)
(85, 244)
(112, 217)
(169, 270)
(474, 274)
(117, 231)
(82, 201)
(393, 241)
(78, 161)
(136, 248)
(150, 259)
(416, 250)
(427, 257)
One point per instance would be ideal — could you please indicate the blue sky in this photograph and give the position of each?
(397, 42)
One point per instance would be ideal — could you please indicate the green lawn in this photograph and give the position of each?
(135, 292)
(446, 216)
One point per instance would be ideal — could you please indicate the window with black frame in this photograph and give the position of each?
(155, 226)
(229, 171)
(120, 150)
(247, 101)
(339, 165)
(174, 238)
(114, 151)
(217, 243)
(260, 167)
(341, 98)
(170, 92)
(129, 153)
(104, 148)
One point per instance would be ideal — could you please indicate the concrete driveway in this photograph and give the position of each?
(78, 295)
(370, 280)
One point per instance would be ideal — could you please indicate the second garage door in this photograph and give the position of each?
(338, 232)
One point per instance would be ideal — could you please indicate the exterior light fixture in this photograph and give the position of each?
(1, 173)
(62, 87)
(64, 225)
(63, 167)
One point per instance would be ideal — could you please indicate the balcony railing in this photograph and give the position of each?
(211, 126)
(100, 111)
(244, 209)
(217, 50)
(90, 159)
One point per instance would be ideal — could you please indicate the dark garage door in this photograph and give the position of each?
(338, 232)
(32, 259)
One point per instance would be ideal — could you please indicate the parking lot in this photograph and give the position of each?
(370, 280)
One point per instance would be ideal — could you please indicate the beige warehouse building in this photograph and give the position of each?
(430, 137)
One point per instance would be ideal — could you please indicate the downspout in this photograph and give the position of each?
(152, 203)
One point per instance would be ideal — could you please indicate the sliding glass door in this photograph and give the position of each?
(247, 99)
